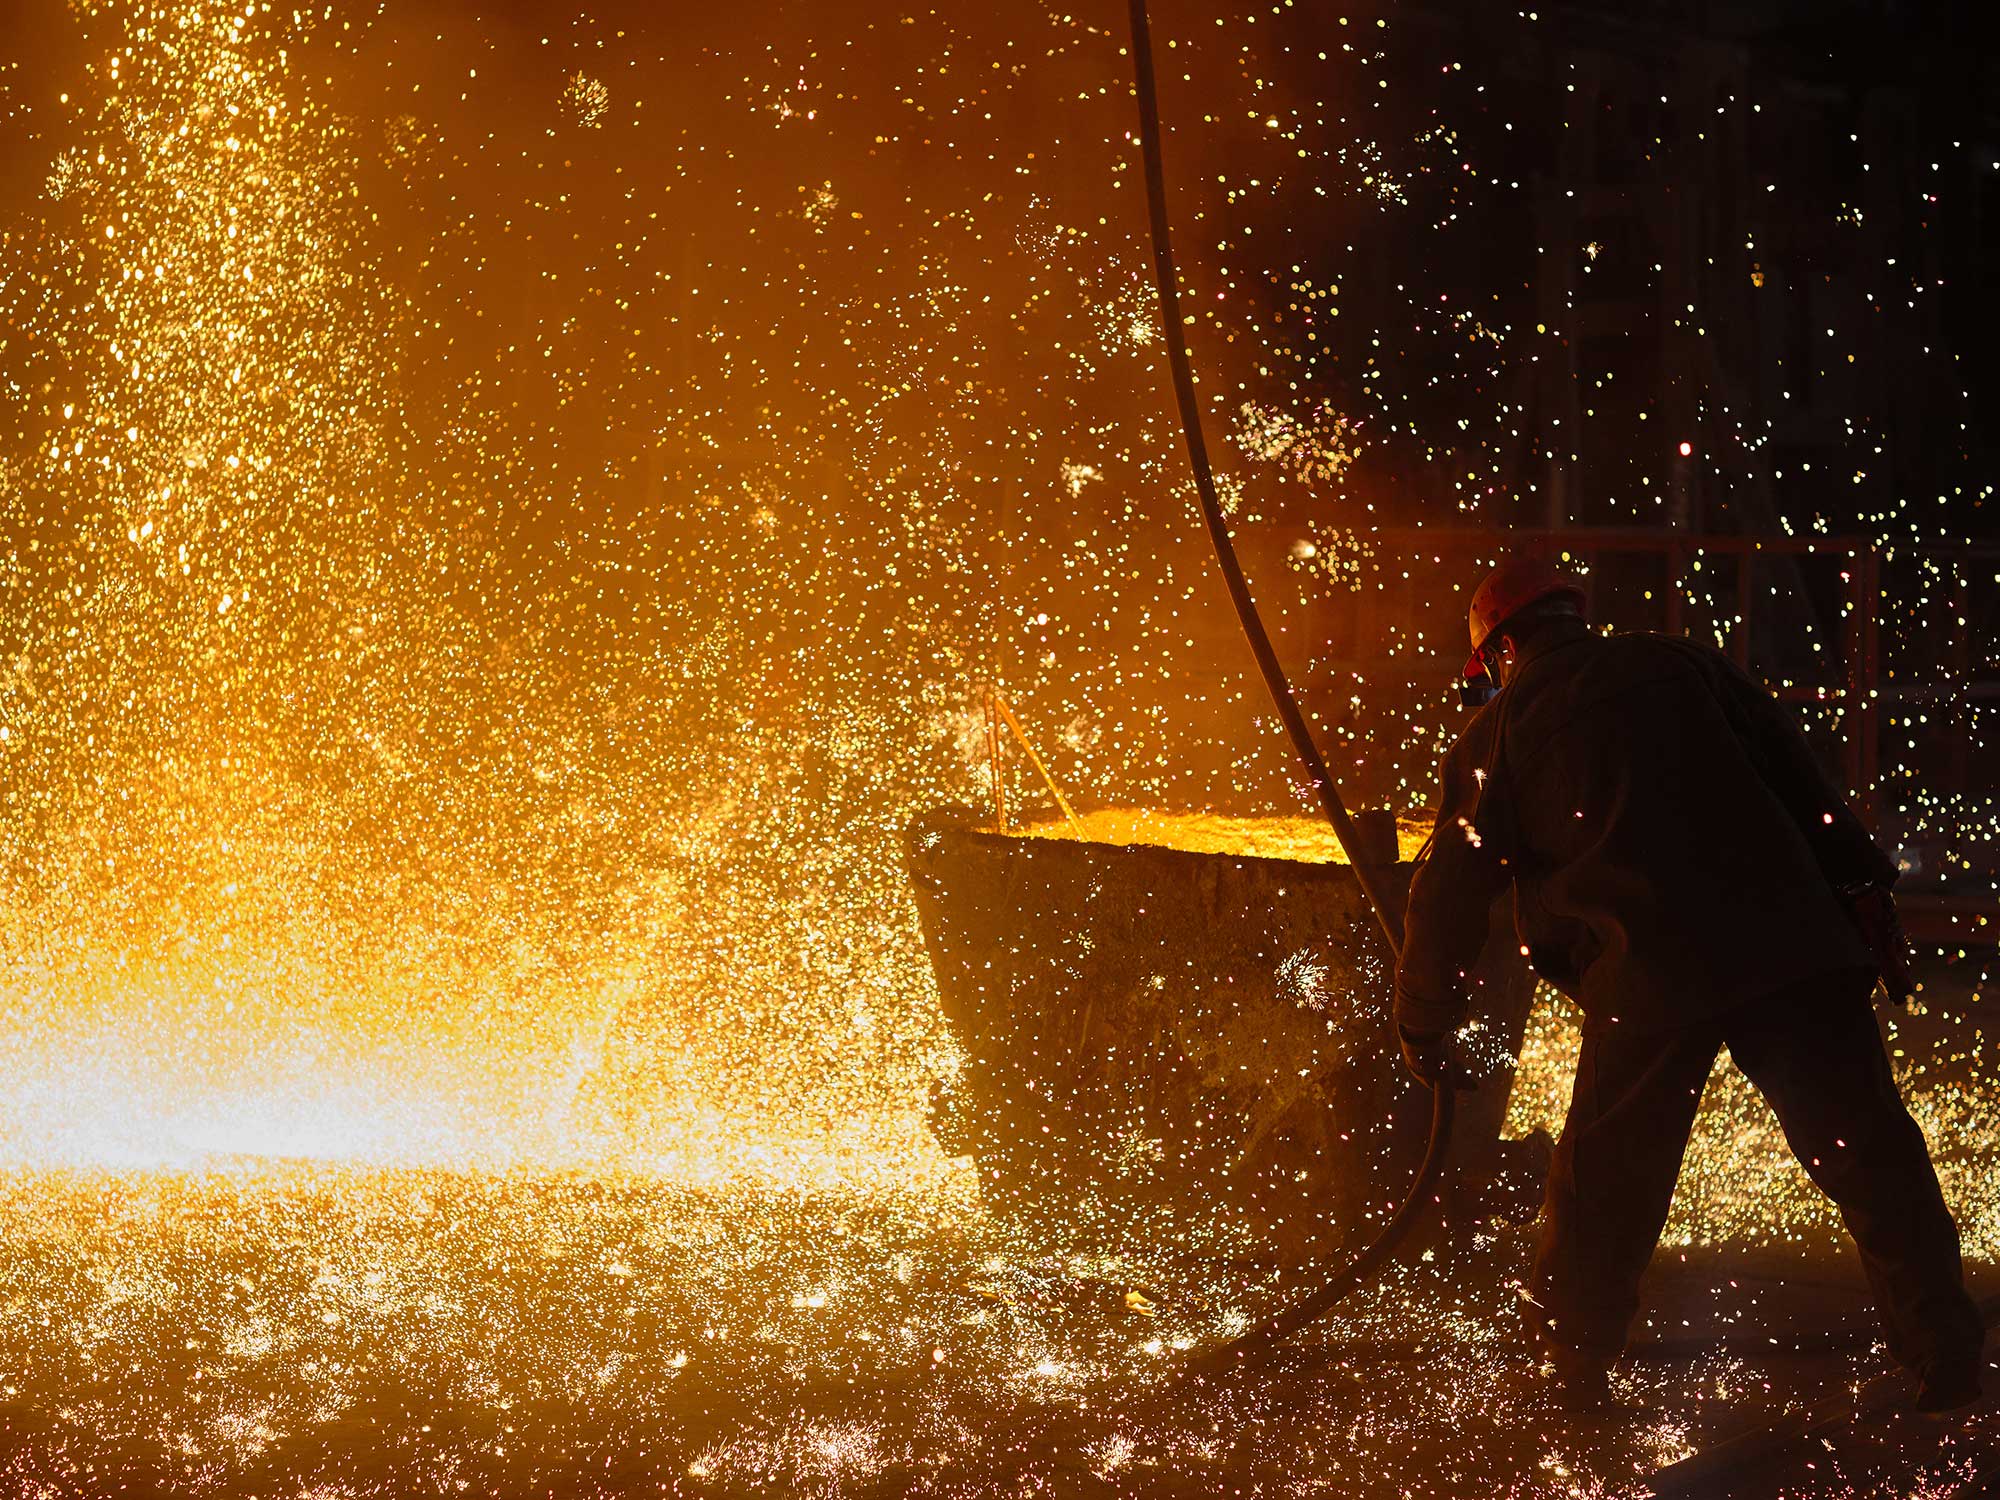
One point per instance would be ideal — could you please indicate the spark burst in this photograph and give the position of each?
(585, 100)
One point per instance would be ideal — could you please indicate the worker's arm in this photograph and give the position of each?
(1450, 896)
(1846, 854)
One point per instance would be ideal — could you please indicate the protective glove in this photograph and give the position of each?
(1428, 1057)
(1873, 911)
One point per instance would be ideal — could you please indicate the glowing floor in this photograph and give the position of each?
(337, 1332)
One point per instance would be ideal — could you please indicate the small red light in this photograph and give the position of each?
(1686, 449)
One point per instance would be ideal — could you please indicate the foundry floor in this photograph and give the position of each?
(343, 1333)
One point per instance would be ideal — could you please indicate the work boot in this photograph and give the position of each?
(1949, 1385)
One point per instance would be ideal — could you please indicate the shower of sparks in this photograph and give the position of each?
(65, 174)
(1302, 980)
(1076, 476)
(820, 202)
(486, 586)
(585, 99)
(1129, 318)
(1317, 447)
(1366, 163)
(1338, 557)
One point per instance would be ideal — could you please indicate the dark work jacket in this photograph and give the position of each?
(1674, 847)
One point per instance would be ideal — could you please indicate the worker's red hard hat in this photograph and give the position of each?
(1509, 589)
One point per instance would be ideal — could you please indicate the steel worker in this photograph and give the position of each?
(1686, 872)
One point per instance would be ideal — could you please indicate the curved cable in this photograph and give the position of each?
(1204, 482)
(1443, 1100)
(1274, 1330)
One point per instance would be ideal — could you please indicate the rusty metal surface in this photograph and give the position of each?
(1192, 1035)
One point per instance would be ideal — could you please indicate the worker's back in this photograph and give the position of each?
(1671, 841)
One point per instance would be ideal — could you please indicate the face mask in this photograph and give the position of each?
(1477, 692)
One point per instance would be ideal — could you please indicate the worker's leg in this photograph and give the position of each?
(1611, 1184)
(1817, 1057)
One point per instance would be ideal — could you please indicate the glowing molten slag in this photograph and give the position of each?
(1301, 838)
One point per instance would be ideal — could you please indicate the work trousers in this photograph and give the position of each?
(1816, 1056)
